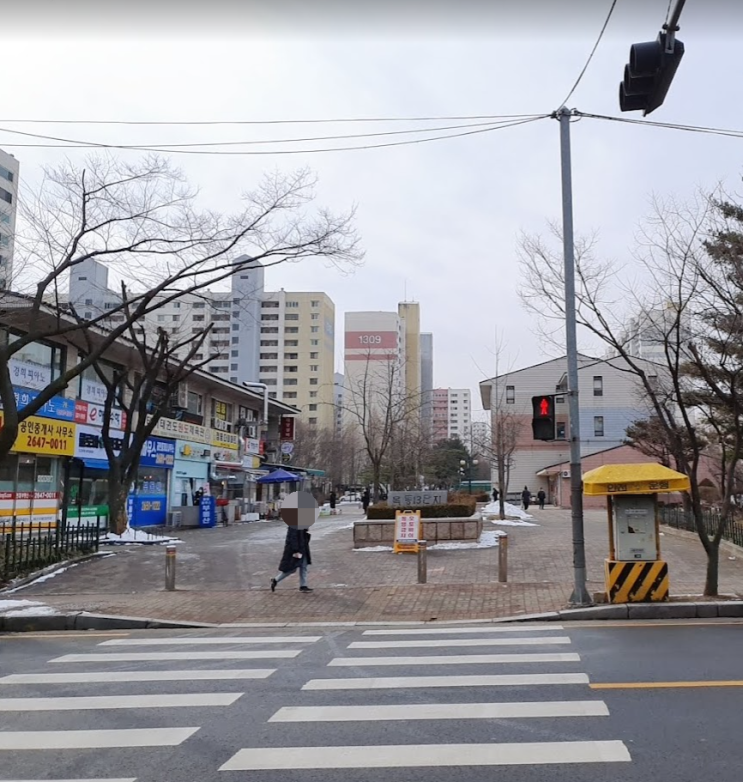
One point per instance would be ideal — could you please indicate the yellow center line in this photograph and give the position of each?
(661, 685)
(61, 634)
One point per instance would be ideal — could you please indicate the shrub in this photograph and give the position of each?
(452, 510)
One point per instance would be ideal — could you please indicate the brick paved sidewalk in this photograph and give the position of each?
(223, 574)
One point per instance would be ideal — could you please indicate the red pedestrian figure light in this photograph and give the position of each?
(544, 407)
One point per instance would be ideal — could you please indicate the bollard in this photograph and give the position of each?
(503, 558)
(422, 562)
(170, 568)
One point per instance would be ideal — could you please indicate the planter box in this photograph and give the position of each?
(381, 532)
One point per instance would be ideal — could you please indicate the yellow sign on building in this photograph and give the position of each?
(224, 440)
(45, 436)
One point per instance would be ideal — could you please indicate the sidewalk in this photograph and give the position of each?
(223, 576)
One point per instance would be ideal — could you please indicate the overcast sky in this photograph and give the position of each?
(439, 220)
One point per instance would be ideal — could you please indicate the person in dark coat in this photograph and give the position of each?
(296, 556)
(495, 495)
(541, 496)
(366, 499)
(332, 499)
(526, 497)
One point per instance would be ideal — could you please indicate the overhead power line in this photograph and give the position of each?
(329, 121)
(251, 142)
(730, 132)
(590, 56)
(175, 150)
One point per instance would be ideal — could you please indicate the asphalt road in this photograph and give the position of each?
(528, 703)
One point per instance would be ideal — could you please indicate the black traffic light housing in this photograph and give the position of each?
(649, 73)
(543, 417)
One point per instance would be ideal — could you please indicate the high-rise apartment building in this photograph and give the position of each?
(652, 332)
(9, 169)
(297, 352)
(283, 339)
(427, 382)
(451, 414)
(410, 316)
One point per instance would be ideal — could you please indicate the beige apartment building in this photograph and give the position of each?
(297, 349)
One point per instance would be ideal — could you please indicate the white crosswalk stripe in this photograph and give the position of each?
(440, 714)
(93, 739)
(127, 657)
(203, 641)
(160, 701)
(93, 677)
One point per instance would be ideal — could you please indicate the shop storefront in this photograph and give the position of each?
(190, 472)
(147, 505)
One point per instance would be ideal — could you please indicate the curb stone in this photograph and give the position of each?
(83, 620)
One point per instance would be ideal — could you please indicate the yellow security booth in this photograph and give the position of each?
(635, 573)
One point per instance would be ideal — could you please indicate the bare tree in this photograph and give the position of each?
(700, 365)
(142, 221)
(376, 404)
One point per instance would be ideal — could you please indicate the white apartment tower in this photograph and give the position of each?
(9, 168)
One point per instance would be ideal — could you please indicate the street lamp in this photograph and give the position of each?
(469, 464)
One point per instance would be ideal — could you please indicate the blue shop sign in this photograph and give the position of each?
(207, 511)
(158, 452)
(58, 407)
(146, 510)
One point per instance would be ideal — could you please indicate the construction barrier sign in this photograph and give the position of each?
(407, 531)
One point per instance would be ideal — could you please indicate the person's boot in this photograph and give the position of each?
(305, 589)
(274, 582)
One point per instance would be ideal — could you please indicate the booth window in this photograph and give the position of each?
(598, 385)
(510, 395)
(598, 426)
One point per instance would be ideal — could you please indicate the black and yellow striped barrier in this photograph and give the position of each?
(636, 582)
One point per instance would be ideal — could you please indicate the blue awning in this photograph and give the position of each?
(96, 464)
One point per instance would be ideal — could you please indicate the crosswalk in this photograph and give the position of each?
(424, 700)
(453, 700)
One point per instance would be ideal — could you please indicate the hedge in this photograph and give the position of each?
(455, 511)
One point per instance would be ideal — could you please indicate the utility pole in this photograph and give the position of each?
(580, 596)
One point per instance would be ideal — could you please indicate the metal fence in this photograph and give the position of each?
(681, 519)
(28, 547)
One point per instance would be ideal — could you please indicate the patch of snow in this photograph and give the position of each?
(131, 536)
(347, 526)
(43, 578)
(375, 548)
(25, 608)
(488, 539)
(511, 510)
(513, 523)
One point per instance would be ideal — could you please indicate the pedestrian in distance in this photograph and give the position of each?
(526, 497)
(495, 495)
(296, 556)
(541, 496)
(332, 499)
(366, 500)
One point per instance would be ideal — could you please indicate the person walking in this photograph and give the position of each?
(296, 556)
(495, 495)
(332, 499)
(526, 497)
(541, 497)
(366, 499)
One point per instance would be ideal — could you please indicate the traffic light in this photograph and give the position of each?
(543, 419)
(649, 74)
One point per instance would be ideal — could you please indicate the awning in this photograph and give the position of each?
(645, 478)
(96, 464)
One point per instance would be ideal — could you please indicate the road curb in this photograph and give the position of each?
(83, 620)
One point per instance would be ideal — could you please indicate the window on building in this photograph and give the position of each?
(6, 196)
(314, 355)
(270, 343)
(510, 395)
(313, 394)
(235, 340)
(315, 316)
(269, 369)
(265, 330)
(291, 356)
(269, 316)
(291, 368)
(598, 426)
(313, 381)
(292, 304)
(236, 327)
(194, 403)
(269, 356)
(5, 174)
(312, 421)
(176, 318)
(198, 318)
(291, 316)
(233, 367)
(291, 343)
(270, 381)
(315, 303)
(234, 353)
(314, 342)
(291, 330)
(272, 395)
(270, 305)
(314, 367)
(314, 329)
(598, 385)
(198, 357)
(290, 381)
(199, 305)
(197, 329)
(653, 382)
(313, 407)
(160, 318)
(290, 395)
(560, 430)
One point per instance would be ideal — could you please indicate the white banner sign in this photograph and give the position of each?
(28, 375)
